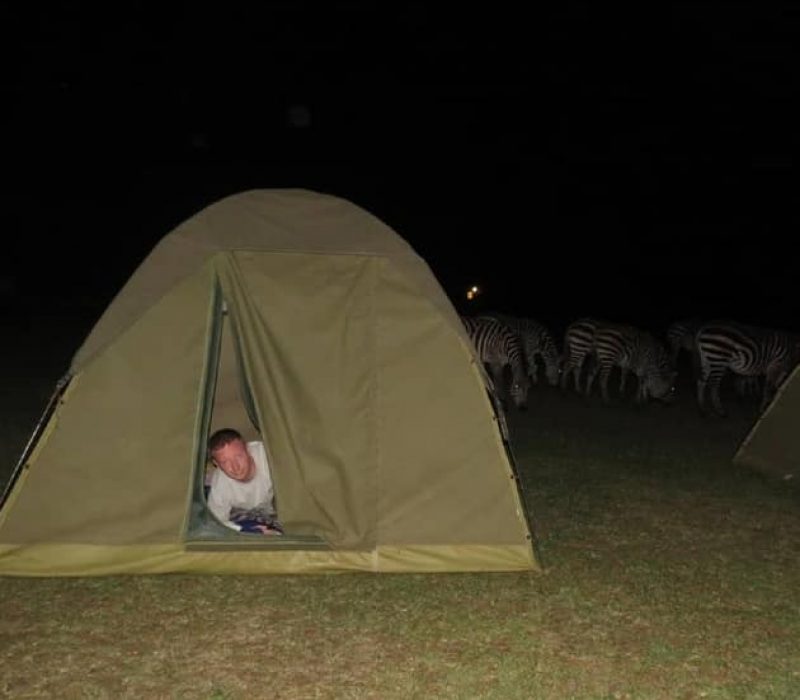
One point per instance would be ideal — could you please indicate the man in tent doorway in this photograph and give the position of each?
(241, 494)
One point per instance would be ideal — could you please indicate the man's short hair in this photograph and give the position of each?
(222, 437)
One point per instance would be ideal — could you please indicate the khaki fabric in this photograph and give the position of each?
(287, 220)
(229, 406)
(99, 560)
(771, 446)
(303, 320)
(305, 327)
(117, 466)
(444, 476)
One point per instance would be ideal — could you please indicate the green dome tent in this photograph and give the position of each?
(300, 319)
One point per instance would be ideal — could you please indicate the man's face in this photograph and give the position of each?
(235, 461)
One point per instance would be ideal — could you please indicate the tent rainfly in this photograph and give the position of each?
(302, 320)
(769, 446)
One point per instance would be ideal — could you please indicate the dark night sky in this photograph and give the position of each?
(634, 164)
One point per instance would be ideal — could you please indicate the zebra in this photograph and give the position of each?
(637, 351)
(497, 346)
(578, 345)
(537, 341)
(680, 336)
(747, 351)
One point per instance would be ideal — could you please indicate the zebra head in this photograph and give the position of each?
(659, 380)
(553, 372)
(661, 385)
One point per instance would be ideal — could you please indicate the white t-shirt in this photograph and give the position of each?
(227, 493)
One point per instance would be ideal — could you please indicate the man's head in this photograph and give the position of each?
(229, 453)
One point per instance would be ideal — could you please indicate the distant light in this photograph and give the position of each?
(473, 292)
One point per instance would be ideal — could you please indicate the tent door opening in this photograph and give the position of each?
(226, 402)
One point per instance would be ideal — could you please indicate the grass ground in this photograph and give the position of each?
(669, 574)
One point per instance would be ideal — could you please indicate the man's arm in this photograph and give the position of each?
(220, 506)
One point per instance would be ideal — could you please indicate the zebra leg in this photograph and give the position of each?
(564, 376)
(590, 374)
(566, 363)
(641, 391)
(766, 397)
(704, 383)
(701, 390)
(713, 382)
(590, 377)
(638, 397)
(623, 376)
(533, 371)
(552, 371)
(496, 370)
(605, 372)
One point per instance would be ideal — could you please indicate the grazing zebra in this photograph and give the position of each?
(497, 346)
(578, 345)
(680, 336)
(747, 351)
(636, 351)
(537, 341)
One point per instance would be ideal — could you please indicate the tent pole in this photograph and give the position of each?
(61, 386)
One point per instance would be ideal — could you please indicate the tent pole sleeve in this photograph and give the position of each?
(59, 390)
(524, 501)
(205, 402)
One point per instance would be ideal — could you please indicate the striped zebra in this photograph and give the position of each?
(747, 351)
(680, 336)
(537, 342)
(578, 345)
(635, 351)
(497, 346)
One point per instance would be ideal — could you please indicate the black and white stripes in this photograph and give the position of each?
(638, 352)
(578, 346)
(746, 351)
(603, 345)
(759, 359)
(680, 336)
(538, 345)
(498, 346)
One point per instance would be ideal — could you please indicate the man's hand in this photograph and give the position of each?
(267, 530)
